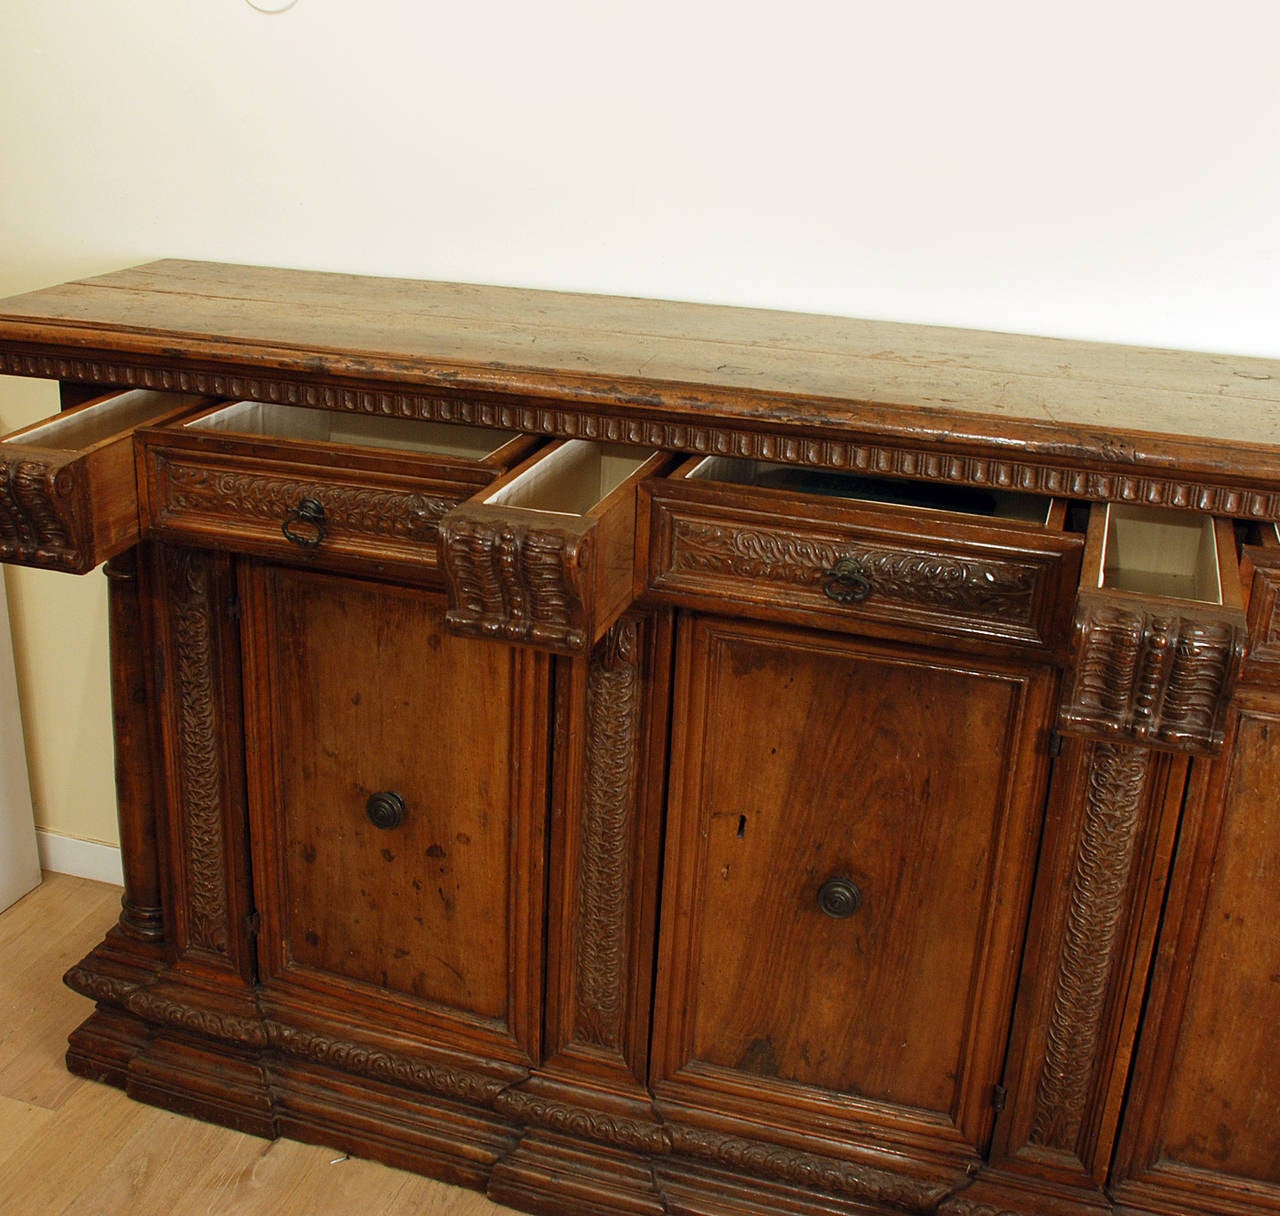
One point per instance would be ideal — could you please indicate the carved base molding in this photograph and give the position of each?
(580, 1150)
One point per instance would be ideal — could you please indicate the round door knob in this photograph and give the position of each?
(839, 898)
(385, 809)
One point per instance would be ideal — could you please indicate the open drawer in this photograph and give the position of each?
(325, 487)
(546, 556)
(1159, 632)
(68, 498)
(854, 553)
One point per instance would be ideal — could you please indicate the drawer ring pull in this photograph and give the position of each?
(847, 582)
(385, 809)
(839, 898)
(304, 524)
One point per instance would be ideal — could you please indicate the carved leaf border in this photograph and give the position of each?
(405, 514)
(1004, 590)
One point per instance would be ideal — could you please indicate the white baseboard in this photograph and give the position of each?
(83, 858)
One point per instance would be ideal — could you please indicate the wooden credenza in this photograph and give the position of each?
(631, 757)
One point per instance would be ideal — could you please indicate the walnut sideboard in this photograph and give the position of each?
(630, 757)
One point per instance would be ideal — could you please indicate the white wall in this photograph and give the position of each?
(1099, 169)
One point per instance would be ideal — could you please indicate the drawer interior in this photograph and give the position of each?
(96, 422)
(571, 478)
(270, 420)
(1149, 551)
(827, 483)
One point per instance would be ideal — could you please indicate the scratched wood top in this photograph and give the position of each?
(747, 368)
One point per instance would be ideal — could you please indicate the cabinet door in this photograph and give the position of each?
(398, 803)
(1201, 1133)
(852, 827)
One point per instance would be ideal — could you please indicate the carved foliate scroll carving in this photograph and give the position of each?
(990, 588)
(604, 878)
(519, 579)
(410, 1071)
(39, 516)
(1114, 797)
(859, 1182)
(212, 1023)
(356, 509)
(199, 758)
(596, 1125)
(1161, 678)
(97, 986)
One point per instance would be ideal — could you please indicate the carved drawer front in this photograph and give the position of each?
(68, 499)
(1160, 629)
(862, 554)
(546, 557)
(320, 487)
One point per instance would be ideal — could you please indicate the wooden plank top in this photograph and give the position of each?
(1117, 408)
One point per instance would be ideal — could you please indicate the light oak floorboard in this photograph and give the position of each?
(72, 1148)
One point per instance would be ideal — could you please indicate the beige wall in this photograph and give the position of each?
(1095, 170)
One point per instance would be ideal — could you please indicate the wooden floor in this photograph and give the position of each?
(72, 1148)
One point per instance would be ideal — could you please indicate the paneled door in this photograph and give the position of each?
(852, 829)
(398, 803)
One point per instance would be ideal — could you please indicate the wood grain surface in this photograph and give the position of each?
(742, 366)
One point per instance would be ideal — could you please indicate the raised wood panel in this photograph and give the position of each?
(355, 689)
(1204, 1113)
(800, 757)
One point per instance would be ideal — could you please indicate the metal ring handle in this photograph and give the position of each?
(385, 809)
(847, 582)
(304, 524)
(839, 898)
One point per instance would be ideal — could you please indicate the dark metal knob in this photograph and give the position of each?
(839, 898)
(304, 524)
(847, 582)
(385, 809)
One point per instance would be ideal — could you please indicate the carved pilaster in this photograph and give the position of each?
(604, 877)
(519, 580)
(1114, 798)
(194, 666)
(1150, 674)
